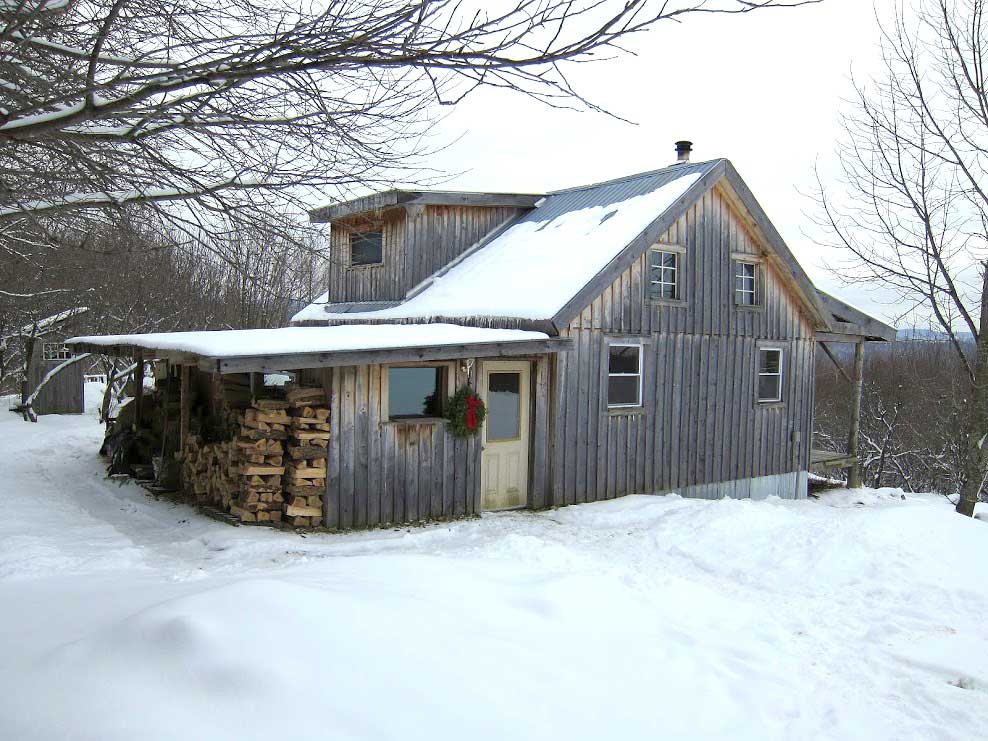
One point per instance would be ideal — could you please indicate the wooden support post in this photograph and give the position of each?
(184, 409)
(854, 472)
(138, 390)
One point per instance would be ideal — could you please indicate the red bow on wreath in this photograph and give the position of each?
(473, 403)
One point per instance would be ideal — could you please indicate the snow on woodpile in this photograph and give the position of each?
(290, 340)
(536, 266)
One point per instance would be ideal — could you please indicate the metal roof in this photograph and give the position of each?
(401, 198)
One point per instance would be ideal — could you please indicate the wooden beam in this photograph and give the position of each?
(297, 361)
(836, 362)
(184, 409)
(138, 391)
(854, 471)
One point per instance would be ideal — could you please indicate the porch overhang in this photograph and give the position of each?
(298, 348)
(848, 324)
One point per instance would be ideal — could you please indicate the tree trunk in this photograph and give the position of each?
(977, 431)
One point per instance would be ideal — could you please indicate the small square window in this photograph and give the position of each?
(664, 275)
(366, 248)
(746, 283)
(415, 392)
(770, 374)
(55, 351)
(624, 376)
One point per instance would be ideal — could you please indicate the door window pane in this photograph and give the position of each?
(503, 406)
(415, 392)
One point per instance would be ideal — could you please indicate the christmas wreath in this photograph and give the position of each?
(465, 412)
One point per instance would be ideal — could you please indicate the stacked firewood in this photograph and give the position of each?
(260, 465)
(273, 469)
(305, 468)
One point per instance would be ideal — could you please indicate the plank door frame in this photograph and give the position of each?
(525, 367)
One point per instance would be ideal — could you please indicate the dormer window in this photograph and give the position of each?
(366, 248)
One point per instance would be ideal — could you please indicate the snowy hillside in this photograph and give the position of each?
(860, 616)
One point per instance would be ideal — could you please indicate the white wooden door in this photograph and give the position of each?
(504, 460)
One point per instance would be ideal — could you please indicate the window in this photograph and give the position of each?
(770, 374)
(366, 248)
(746, 283)
(504, 406)
(663, 273)
(55, 351)
(415, 392)
(624, 376)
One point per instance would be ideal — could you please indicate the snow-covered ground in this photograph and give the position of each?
(860, 616)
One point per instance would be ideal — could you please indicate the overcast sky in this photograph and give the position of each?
(763, 90)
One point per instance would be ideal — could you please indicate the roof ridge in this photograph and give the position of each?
(686, 166)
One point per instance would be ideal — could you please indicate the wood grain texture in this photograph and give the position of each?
(700, 425)
(417, 242)
(63, 394)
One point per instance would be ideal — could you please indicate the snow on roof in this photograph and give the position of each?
(541, 261)
(231, 343)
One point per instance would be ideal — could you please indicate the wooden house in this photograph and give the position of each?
(644, 335)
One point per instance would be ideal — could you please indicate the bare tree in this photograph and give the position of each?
(196, 109)
(913, 210)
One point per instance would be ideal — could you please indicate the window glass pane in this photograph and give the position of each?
(366, 248)
(622, 390)
(503, 406)
(770, 361)
(669, 259)
(768, 388)
(623, 359)
(668, 290)
(414, 392)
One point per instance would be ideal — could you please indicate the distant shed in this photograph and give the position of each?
(63, 394)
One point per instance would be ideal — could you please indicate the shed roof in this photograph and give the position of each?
(290, 348)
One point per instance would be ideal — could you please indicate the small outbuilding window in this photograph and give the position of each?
(415, 392)
(770, 374)
(746, 283)
(664, 275)
(624, 376)
(366, 248)
(55, 351)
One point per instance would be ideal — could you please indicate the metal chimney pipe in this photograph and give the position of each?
(683, 149)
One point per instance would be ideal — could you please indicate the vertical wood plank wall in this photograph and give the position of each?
(414, 248)
(63, 394)
(700, 422)
(382, 472)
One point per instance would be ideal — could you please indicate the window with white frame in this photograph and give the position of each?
(770, 374)
(664, 275)
(746, 283)
(624, 376)
(55, 351)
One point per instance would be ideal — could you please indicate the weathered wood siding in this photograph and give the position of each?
(415, 245)
(63, 394)
(383, 472)
(700, 422)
